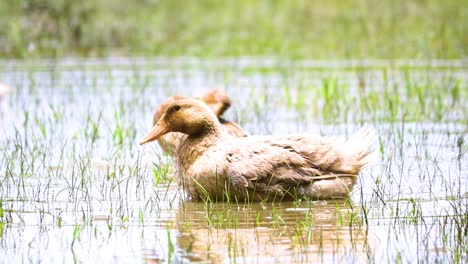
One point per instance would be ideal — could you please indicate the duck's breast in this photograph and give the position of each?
(203, 172)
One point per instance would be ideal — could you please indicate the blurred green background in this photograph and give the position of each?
(326, 29)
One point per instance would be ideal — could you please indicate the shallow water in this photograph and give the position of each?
(76, 186)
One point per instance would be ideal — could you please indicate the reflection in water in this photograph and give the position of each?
(289, 232)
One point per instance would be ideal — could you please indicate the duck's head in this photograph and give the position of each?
(188, 116)
(217, 100)
(163, 107)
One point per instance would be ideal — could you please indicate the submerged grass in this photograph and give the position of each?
(74, 184)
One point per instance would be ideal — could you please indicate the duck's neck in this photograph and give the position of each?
(197, 143)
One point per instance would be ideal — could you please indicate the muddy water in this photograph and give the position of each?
(75, 186)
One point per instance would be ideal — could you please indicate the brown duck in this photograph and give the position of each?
(211, 163)
(216, 99)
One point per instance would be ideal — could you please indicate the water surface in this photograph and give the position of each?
(76, 187)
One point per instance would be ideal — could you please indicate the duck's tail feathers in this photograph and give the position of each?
(359, 151)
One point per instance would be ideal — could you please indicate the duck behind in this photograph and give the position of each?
(211, 163)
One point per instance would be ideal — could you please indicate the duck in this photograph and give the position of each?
(216, 99)
(212, 164)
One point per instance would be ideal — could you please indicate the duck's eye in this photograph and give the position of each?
(176, 108)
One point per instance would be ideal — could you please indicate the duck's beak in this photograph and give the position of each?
(157, 131)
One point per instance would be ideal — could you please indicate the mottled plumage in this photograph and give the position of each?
(212, 162)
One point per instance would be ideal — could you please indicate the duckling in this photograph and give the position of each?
(211, 163)
(216, 99)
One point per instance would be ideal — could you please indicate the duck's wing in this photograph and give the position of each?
(258, 165)
(277, 163)
(333, 155)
